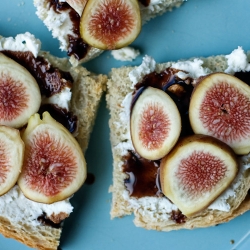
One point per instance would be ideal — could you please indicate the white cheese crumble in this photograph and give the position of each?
(236, 61)
(125, 54)
(62, 99)
(153, 205)
(192, 69)
(125, 115)
(188, 68)
(22, 42)
(58, 23)
(13, 205)
(148, 65)
(123, 147)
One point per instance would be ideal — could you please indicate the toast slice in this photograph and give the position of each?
(155, 211)
(35, 224)
(56, 16)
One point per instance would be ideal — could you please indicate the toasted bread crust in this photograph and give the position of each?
(87, 91)
(38, 237)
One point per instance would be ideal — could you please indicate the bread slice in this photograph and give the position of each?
(31, 222)
(158, 212)
(59, 23)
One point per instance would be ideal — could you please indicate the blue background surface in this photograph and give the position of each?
(198, 28)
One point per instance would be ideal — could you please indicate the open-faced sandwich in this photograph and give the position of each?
(180, 135)
(85, 28)
(47, 113)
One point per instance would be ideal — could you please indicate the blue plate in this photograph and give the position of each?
(198, 28)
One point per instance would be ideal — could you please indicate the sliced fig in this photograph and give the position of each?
(54, 166)
(220, 107)
(11, 157)
(110, 24)
(196, 172)
(77, 5)
(19, 93)
(155, 124)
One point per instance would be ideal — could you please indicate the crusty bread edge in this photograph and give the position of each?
(120, 206)
(86, 95)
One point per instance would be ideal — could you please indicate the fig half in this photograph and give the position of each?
(20, 95)
(11, 157)
(110, 24)
(196, 172)
(54, 166)
(220, 107)
(155, 124)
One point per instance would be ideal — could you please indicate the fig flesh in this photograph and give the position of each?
(54, 166)
(20, 95)
(220, 107)
(155, 124)
(11, 157)
(110, 24)
(196, 172)
(77, 5)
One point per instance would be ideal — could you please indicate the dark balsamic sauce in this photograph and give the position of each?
(243, 76)
(142, 175)
(77, 46)
(66, 118)
(51, 80)
(178, 217)
(47, 222)
(145, 2)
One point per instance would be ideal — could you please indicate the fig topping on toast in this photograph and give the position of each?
(220, 107)
(110, 24)
(54, 166)
(19, 93)
(11, 157)
(196, 172)
(155, 124)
